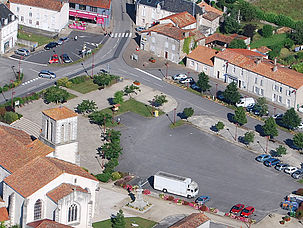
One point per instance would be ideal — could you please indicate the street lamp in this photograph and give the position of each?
(166, 64)
(93, 65)
(175, 115)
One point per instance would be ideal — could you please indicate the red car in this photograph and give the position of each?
(247, 211)
(237, 208)
(54, 59)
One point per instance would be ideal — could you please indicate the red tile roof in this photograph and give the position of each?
(104, 4)
(203, 54)
(182, 19)
(168, 30)
(209, 8)
(46, 223)
(17, 148)
(39, 172)
(3, 214)
(59, 113)
(223, 38)
(210, 16)
(263, 49)
(192, 221)
(63, 190)
(46, 4)
(283, 75)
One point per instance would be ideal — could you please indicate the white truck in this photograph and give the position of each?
(177, 185)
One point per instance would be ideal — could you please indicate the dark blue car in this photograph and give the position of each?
(263, 157)
(271, 162)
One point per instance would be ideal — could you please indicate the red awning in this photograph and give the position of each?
(82, 15)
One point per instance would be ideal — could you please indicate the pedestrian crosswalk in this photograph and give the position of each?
(121, 34)
(27, 82)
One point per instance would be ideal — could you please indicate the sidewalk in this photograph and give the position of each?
(205, 123)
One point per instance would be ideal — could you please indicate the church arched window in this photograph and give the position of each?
(72, 213)
(38, 210)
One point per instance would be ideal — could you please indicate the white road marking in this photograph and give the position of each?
(126, 35)
(40, 64)
(116, 34)
(153, 76)
(123, 34)
(119, 35)
(130, 34)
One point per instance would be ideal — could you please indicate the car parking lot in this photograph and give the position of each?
(225, 172)
(71, 47)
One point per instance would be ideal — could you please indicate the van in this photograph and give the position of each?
(246, 101)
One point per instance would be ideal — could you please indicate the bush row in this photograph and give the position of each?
(65, 82)
(14, 84)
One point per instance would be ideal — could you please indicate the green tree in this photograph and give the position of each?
(186, 45)
(298, 140)
(10, 117)
(240, 116)
(118, 97)
(249, 137)
(270, 127)
(230, 25)
(288, 43)
(267, 31)
(118, 221)
(203, 82)
(159, 100)
(87, 106)
(297, 34)
(111, 150)
(188, 112)
(247, 11)
(281, 150)
(113, 136)
(231, 93)
(249, 30)
(111, 165)
(219, 126)
(100, 118)
(128, 90)
(237, 43)
(64, 82)
(103, 79)
(56, 95)
(291, 119)
(262, 106)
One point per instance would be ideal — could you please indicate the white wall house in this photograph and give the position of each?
(47, 15)
(8, 29)
(42, 182)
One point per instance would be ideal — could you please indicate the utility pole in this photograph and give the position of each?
(93, 65)
(236, 132)
(175, 115)
(19, 67)
(13, 93)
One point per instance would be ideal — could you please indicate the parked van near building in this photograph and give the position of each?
(246, 101)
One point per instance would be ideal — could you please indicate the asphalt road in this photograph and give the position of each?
(227, 173)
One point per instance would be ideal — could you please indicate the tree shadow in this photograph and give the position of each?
(137, 39)
(290, 143)
(181, 115)
(110, 100)
(259, 129)
(130, 10)
(230, 117)
(242, 140)
(214, 129)
(274, 153)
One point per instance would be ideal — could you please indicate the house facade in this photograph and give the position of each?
(47, 15)
(8, 29)
(256, 75)
(98, 12)
(167, 41)
(40, 184)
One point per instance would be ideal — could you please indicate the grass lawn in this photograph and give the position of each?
(84, 87)
(144, 223)
(300, 181)
(275, 39)
(285, 52)
(177, 124)
(71, 96)
(34, 37)
(291, 8)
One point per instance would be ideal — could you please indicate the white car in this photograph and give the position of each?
(300, 126)
(290, 169)
(277, 116)
(179, 76)
(187, 80)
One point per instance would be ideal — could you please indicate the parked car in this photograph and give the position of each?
(140, 29)
(220, 95)
(62, 40)
(263, 157)
(202, 199)
(179, 76)
(246, 101)
(290, 169)
(103, 71)
(187, 80)
(257, 109)
(250, 107)
(47, 74)
(54, 59)
(50, 45)
(271, 162)
(237, 208)
(281, 166)
(22, 51)
(300, 126)
(247, 211)
(65, 58)
(297, 174)
(194, 86)
(277, 116)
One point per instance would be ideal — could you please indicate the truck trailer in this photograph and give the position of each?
(171, 183)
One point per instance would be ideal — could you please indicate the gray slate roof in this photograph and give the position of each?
(5, 14)
(175, 6)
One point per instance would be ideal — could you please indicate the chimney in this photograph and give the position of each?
(258, 61)
(275, 68)
(248, 47)
(203, 9)
(275, 61)
(186, 34)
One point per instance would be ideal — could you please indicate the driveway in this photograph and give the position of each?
(70, 47)
(224, 171)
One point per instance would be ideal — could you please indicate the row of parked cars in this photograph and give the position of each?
(269, 161)
(184, 79)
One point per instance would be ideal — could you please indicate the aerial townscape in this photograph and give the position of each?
(151, 113)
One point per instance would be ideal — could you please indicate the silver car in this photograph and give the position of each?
(179, 76)
(22, 51)
(281, 166)
(47, 74)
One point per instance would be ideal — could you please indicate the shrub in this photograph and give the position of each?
(116, 176)
(10, 117)
(159, 100)
(281, 150)
(103, 177)
(170, 198)
(203, 208)
(5, 88)
(78, 80)
(299, 192)
(55, 94)
(299, 55)
(219, 126)
(267, 31)
(185, 202)
(62, 81)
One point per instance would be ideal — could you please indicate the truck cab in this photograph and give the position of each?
(192, 190)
